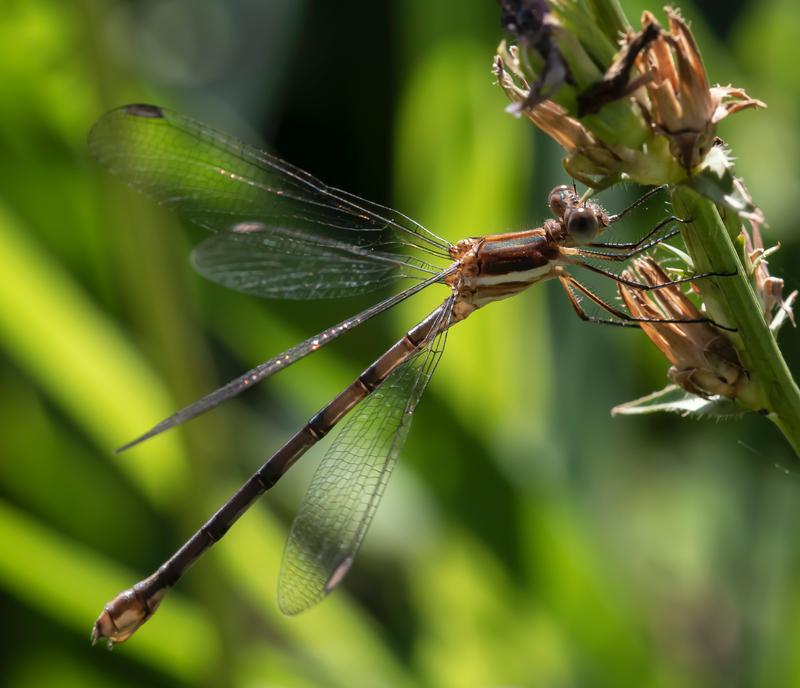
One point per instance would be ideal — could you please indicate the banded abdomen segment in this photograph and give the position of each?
(131, 608)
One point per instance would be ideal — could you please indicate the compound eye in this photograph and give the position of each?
(558, 200)
(582, 225)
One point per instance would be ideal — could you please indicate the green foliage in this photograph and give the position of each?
(527, 537)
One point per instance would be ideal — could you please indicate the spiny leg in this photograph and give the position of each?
(568, 282)
(649, 287)
(583, 315)
(615, 218)
(632, 245)
(622, 257)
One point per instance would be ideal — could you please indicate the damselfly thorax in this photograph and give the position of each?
(497, 266)
(278, 232)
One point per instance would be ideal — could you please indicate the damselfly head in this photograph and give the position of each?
(582, 220)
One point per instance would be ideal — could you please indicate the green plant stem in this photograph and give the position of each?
(610, 17)
(708, 242)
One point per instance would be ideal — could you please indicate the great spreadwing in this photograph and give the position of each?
(278, 232)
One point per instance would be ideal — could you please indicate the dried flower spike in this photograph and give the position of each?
(642, 110)
(647, 115)
(704, 362)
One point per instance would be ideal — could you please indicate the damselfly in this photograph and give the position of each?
(278, 232)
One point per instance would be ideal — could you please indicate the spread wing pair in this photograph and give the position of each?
(278, 232)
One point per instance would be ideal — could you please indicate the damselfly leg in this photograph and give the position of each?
(569, 283)
(649, 287)
(630, 249)
(635, 204)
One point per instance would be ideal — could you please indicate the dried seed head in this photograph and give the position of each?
(587, 156)
(769, 289)
(650, 117)
(679, 102)
(703, 360)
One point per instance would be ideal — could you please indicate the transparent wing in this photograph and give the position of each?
(260, 203)
(276, 263)
(349, 482)
(277, 363)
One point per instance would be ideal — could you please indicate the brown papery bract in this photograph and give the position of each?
(704, 362)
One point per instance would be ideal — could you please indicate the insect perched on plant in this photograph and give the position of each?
(280, 233)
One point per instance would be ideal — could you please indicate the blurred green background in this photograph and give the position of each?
(527, 538)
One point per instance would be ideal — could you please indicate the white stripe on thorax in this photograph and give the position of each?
(529, 276)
